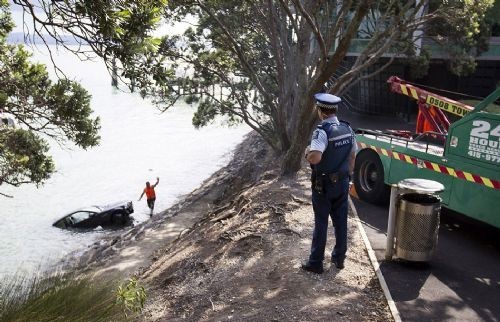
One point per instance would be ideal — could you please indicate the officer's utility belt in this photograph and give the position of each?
(319, 179)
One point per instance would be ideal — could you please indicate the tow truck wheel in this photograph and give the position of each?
(369, 178)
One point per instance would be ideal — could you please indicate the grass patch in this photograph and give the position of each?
(63, 297)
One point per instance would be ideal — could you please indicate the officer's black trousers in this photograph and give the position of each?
(331, 203)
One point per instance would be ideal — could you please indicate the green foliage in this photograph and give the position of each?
(493, 19)
(59, 110)
(233, 47)
(131, 296)
(69, 104)
(59, 297)
(462, 30)
(212, 74)
(419, 64)
(115, 30)
(23, 157)
(6, 23)
(261, 62)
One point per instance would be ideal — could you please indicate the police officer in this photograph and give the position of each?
(331, 155)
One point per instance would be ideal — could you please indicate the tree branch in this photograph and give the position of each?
(314, 28)
(238, 51)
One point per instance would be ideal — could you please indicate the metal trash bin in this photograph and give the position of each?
(413, 226)
(417, 225)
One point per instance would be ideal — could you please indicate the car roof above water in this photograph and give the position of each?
(102, 208)
(91, 209)
(113, 205)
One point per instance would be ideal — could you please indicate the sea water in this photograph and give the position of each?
(138, 144)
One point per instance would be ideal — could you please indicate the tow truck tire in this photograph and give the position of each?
(369, 178)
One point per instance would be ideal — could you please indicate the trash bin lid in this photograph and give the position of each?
(421, 185)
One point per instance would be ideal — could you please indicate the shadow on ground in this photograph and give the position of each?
(461, 282)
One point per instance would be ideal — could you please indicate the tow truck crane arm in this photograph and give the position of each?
(430, 105)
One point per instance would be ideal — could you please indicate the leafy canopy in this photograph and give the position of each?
(39, 108)
(261, 61)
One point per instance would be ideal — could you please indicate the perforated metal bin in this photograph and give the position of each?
(417, 225)
(413, 222)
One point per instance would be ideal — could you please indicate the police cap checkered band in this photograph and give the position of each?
(327, 106)
(327, 101)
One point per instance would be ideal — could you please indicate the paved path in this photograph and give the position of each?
(461, 283)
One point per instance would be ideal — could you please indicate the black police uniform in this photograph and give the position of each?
(330, 188)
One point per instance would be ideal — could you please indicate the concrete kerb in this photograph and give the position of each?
(376, 265)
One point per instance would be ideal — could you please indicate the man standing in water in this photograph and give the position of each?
(331, 154)
(150, 195)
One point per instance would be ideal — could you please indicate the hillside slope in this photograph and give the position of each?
(231, 251)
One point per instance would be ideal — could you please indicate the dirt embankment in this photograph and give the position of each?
(231, 251)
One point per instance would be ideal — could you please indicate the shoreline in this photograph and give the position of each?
(231, 250)
(97, 256)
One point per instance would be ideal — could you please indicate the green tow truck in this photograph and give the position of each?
(464, 155)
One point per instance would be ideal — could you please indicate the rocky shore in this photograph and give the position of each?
(231, 251)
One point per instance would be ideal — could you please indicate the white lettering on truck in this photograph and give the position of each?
(484, 141)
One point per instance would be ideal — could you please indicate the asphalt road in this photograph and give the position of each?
(460, 283)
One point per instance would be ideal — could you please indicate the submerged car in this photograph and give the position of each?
(116, 214)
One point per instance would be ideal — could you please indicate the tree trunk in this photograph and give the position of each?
(293, 156)
(304, 120)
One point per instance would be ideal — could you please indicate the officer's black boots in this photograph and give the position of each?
(338, 263)
(312, 268)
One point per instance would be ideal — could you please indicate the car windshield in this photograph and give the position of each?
(80, 216)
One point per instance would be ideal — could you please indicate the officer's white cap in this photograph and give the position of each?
(327, 101)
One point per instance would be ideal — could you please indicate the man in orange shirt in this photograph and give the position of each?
(150, 195)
